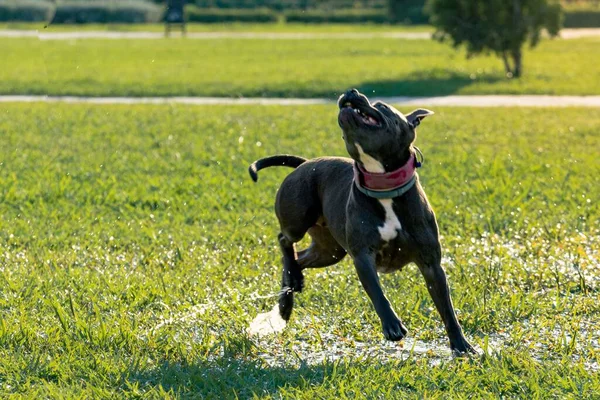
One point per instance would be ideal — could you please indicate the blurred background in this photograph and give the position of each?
(577, 13)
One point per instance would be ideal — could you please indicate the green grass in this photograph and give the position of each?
(302, 68)
(224, 27)
(135, 251)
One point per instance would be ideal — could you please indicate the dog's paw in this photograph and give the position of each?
(462, 348)
(286, 303)
(394, 330)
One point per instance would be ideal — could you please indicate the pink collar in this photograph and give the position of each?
(385, 181)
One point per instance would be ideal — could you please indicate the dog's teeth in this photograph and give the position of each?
(347, 104)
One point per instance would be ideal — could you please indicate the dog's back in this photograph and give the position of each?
(309, 189)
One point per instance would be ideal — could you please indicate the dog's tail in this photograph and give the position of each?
(274, 161)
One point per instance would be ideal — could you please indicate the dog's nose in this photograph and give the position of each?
(352, 91)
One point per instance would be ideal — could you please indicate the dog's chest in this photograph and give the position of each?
(391, 224)
(392, 255)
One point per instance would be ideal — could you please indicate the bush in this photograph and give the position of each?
(26, 10)
(282, 5)
(582, 18)
(350, 16)
(218, 15)
(408, 11)
(250, 4)
(126, 11)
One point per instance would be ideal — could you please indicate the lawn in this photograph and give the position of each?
(286, 68)
(135, 251)
(224, 27)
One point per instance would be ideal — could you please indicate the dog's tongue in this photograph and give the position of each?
(370, 120)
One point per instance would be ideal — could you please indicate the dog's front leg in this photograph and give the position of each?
(437, 285)
(393, 329)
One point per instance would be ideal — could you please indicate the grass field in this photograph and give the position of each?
(135, 251)
(301, 68)
(228, 27)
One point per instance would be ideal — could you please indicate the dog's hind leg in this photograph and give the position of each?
(292, 279)
(323, 251)
(297, 208)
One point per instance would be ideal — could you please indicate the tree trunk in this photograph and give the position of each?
(518, 63)
(519, 29)
(507, 67)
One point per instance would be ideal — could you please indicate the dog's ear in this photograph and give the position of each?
(415, 117)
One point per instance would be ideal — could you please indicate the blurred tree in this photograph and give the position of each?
(498, 26)
(407, 11)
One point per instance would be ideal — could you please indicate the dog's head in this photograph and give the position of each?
(377, 135)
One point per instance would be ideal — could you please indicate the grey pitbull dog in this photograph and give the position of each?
(363, 207)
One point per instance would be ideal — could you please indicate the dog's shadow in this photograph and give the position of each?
(435, 82)
(226, 377)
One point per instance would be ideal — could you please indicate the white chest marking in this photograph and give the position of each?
(392, 225)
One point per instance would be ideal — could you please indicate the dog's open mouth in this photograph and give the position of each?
(357, 107)
(367, 119)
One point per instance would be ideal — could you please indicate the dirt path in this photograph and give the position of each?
(565, 34)
(459, 101)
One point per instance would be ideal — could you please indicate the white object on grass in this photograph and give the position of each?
(267, 323)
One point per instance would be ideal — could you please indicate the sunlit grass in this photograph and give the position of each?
(135, 251)
(286, 68)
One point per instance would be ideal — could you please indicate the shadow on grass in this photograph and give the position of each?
(228, 377)
(437, 82)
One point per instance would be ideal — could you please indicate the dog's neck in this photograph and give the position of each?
(396, 162)
(388, 164)
(388, 184)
